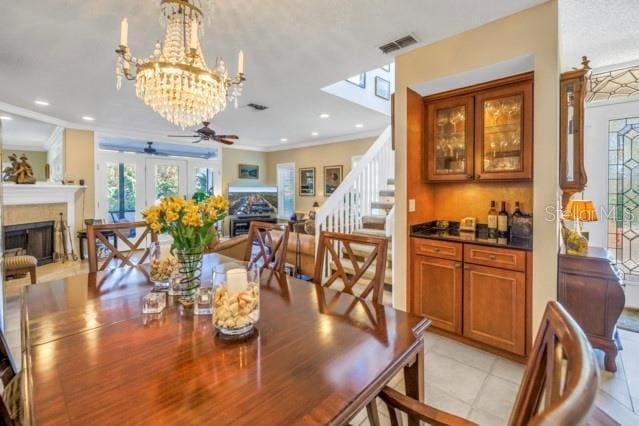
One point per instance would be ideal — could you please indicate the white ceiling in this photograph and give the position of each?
(62, 50)
(25, 133)
(607, 31)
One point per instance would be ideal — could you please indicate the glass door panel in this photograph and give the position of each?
(121, 192)
(502, 134)
(165, 178)
(449, 139)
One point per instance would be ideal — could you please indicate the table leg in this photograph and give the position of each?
(414, 380)
(81, 248)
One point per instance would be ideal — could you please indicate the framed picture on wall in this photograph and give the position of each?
(382, 88)
(307, 182)
(332, 178)
(248, 171)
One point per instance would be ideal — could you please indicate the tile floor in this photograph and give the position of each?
(458, 378)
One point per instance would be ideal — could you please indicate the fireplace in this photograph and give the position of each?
(35, 239)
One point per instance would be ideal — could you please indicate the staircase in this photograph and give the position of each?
(364, 203)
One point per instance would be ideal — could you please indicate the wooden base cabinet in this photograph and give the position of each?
(479, 293)
(440, 296)
(494, 307)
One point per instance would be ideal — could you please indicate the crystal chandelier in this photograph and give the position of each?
(175, 80)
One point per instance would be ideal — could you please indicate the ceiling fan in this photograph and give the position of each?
(208, 134)
(150, 150)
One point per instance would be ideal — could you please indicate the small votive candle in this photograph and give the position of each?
(203, 301)
(154, 303)
(175, 285)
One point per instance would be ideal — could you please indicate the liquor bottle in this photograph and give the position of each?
(492, 221)
(502, 221)
(517, 212)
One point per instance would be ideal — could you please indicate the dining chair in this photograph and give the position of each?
(130, 255)
(266, 247)
(558, 387)
(10, 403)
(336, 248)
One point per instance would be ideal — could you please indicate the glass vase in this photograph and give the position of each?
(190, 268)
(236, 302)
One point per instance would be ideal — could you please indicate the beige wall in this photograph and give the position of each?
(79, 163)
(333, 154)
(533, 31)
(232, 158)
(37, 159)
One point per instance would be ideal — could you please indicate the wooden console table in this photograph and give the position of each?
(590, 288)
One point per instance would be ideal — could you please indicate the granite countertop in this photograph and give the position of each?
(429, 231)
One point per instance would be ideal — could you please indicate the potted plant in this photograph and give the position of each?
(191, 224)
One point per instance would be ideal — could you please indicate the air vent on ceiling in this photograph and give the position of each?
(257, 107)
(398, 44)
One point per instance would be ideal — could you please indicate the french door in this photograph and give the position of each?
(165, 177)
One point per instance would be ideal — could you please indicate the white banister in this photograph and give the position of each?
(344, 209)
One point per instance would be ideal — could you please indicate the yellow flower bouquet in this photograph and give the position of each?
(192, 226)
(190, 223)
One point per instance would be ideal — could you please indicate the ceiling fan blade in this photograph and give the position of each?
(198, 141)
(224, 141)
(183, 136)
(227, 136)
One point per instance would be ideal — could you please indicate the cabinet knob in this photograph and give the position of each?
(458, 264)
(436, 250)
(470, 176)
(492, 257)
(467, 267)
(478, 176)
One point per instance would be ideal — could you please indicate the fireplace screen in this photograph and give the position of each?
(34, 239)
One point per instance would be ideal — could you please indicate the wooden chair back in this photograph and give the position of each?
(272, 243)
(558, 387)
(334, 248)
(561, 378)
(7, 373)
(129, 256)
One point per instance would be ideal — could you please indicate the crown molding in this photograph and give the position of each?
(336, 139)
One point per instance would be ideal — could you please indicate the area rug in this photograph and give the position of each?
(629, 320)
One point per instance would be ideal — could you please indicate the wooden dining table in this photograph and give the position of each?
(317, 356)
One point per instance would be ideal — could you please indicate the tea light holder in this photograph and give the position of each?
(203, 301)
(153, 303)
(175, 285)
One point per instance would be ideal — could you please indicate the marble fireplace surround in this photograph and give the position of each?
(37, 202)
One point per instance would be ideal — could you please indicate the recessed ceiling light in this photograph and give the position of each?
(324, 115)
(283, 140)
(314, 134)
(88, 118)
(41, 102)
(359, 126)
(5, 117)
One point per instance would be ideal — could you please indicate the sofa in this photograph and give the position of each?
(236, 249)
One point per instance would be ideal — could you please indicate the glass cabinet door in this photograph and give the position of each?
(450, 139)
(504, 118)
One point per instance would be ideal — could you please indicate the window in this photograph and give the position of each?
(286, 189)
(167, 180)
(203, 180)
(121, 191)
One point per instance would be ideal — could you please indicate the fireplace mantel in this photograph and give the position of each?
(42, 193)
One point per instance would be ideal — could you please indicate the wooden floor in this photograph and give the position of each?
(459, 378)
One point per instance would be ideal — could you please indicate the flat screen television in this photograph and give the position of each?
(252, 200)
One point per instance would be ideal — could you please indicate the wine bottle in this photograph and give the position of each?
(517, 212)
(492, 221)
(502, 221)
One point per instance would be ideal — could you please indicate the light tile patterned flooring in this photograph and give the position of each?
(458, 378)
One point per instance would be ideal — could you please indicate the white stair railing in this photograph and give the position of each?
(344, 209)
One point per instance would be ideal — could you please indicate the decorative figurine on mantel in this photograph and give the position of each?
(20, 171)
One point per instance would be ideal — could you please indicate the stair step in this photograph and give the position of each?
(373, 225)
(363, 250)
(375, 218)
(386, 200)
(387, 193)
(372, 233)
(368, 275)
(390, 181)
(382, 206)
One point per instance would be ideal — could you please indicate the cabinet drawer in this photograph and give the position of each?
(440, 249)
(496, 257)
